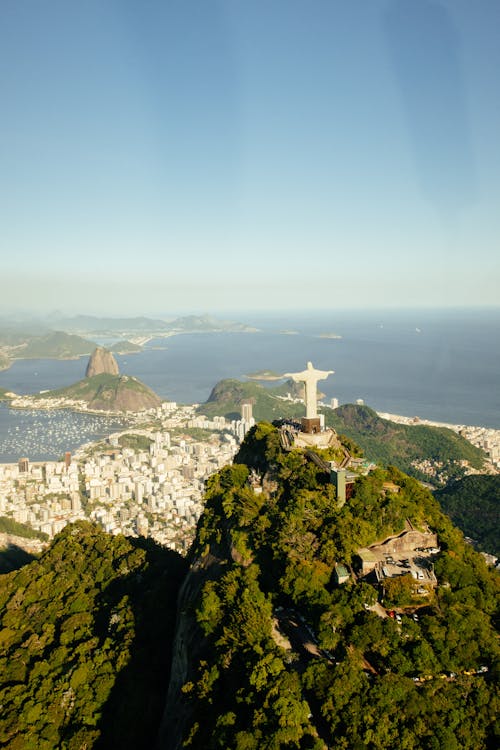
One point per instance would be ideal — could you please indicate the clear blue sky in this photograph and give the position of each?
(162, 156)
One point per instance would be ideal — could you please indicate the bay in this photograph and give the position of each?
(47, 435)
(440, 365)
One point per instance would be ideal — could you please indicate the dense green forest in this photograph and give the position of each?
(269, 651)
(473, 503)
(9, 526)
(387, 442)
(85, 643)
(281, 656)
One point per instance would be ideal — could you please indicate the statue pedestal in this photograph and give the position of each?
(325, 439)
(311, 425)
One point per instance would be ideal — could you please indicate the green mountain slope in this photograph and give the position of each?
(405, 446)
(54, 345)
(108, 393)
(9, 526)
(228, 395)
(272, 653)
(473, 503)
(85, 642)
(125, 347)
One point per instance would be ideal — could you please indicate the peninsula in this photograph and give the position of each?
(102, 389)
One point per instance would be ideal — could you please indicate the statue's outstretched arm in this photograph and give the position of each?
(296, 375)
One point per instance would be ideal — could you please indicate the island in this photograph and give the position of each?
(264, 375)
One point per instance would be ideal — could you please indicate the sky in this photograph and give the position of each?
(201, 155)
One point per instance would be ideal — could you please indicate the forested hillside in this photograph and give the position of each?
(276, 654)
(228, 395)
(55, 345)
(277, 639)
(408, 447)
(473, 503)
(85, 643)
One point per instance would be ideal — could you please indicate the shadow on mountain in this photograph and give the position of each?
(13, 557)
(133, 711)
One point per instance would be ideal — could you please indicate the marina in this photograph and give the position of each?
(47, 435)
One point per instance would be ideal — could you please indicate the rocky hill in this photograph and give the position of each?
(104, 389)
(109, 393)
(101, 362)
(125, 347)
(268, 403)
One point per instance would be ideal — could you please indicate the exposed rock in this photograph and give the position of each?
(122, 394)
(188, 645)
(101, 362)
(107, 391)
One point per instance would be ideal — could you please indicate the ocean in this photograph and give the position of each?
(438, 365)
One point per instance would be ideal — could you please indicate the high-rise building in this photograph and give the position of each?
(138, 492)
(23, 465)
(246, 411)
(142, 525)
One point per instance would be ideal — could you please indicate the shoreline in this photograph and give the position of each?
(485, 438)
(414, 421)
(10, 400)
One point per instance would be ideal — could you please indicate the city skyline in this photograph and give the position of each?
(168, 157)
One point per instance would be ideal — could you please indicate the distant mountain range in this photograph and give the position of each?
(70, 337)
(89, 324)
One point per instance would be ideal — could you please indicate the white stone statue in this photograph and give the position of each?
(310, 379)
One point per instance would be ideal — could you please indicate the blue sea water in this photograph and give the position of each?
(439, 365)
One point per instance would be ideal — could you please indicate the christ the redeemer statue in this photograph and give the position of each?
(310, 379)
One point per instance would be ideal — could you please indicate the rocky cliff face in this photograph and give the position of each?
(101, 362)
(188, 644)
